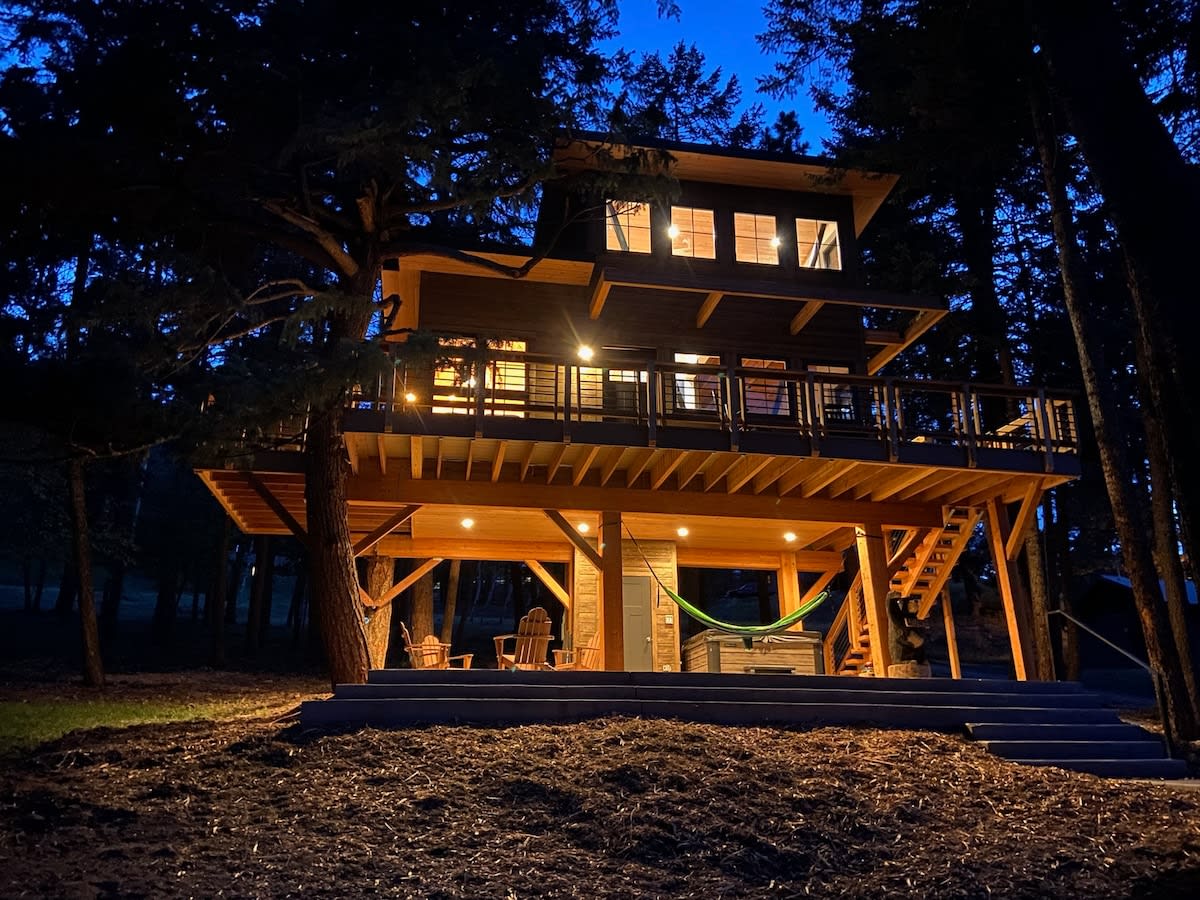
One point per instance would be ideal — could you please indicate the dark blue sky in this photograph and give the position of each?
(724, 31)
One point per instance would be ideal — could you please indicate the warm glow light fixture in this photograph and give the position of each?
(789, 536)
(681, 531)
(410, 397)
(583, 527)
(468, 523)
(586, 352)
(775, 241)
(673, 232)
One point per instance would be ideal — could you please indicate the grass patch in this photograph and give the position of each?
(27, 723)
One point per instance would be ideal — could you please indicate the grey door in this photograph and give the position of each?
(639, 651)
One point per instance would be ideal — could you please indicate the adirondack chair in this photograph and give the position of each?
(431, 653)
(530, 643)
(585, 657)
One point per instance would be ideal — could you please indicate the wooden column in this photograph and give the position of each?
(1012, 591)
(951, 634)
(788, 587)
(612, 600)
(873, 564)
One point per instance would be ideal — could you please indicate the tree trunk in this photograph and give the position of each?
(258, 583)
(235, 581)
(1139, 565)
(166, 604)
(268, 594)
(1043, 650)
(381, 575)
(1058, 549)
(68, 587)
(93, 667)
(216, 602)
(298, 607)
(422, 607)
(1166, 542)
(337, 605)
(451, 604)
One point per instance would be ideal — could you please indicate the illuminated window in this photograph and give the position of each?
(627, 226)
(817, 244)
(454, 382)
(765, 396)
(754, 239)
(697, 391)
(836, 400)
(692, 233)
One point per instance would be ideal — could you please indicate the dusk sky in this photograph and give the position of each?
(724, 31)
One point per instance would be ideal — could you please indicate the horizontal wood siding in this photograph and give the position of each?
(730, 655)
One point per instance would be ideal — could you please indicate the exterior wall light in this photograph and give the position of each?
(585, 352)
(410, 397)
(673, 232)
(775, 241)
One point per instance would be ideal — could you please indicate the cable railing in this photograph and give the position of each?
(817, 407)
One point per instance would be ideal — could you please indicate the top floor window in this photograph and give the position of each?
(627, 226)
(755, 239)
(692, 233)
(817, 244)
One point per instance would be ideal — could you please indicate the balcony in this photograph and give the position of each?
(617, 402)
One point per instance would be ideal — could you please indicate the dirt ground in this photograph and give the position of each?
(256, 807)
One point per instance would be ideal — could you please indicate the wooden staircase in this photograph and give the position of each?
(923, 573)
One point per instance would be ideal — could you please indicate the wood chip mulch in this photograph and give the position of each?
(610, 808)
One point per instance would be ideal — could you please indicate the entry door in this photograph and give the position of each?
(636, 615)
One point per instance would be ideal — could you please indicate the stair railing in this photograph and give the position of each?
(1156, 677)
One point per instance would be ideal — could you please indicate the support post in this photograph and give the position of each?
(612, 600)
(1012, 591)
(951, 634)
(872, 558)
(788, 587)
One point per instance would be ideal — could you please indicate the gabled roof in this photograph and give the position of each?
(745, 168)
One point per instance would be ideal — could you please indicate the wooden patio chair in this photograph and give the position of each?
(431, 653)
(530, 643)
(586, 657)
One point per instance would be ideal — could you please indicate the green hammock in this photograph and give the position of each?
(745, 632)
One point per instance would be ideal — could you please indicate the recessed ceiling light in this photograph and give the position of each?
(681, 531)
(789, 536)
(468, 523)
(586, 352)
(583, 527)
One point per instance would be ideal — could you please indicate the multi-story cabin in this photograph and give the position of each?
(697, 375)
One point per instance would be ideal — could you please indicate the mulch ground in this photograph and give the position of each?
(611, 808)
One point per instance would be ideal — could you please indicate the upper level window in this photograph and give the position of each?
(755, 239)
(817, 244)
(627, 226)
(692, 233)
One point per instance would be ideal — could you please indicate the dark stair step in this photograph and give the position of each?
(1117, 768)
(1053, 731)
(1080, 749)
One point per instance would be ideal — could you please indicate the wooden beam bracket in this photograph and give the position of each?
(574, 537)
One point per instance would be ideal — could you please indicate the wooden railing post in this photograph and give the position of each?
(735, 407)
(1044, 424)
(892, 404)
(814, 413)
(566, 403)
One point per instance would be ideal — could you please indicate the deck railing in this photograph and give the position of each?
(817, 406)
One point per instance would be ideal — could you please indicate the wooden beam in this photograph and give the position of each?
(416, 450)
(744, 471)
(774, 472)
(574, 537)
(921, 323)
(471, 445)
(405, 547)
(288, 520)
(760, 560)
(527, 459)
(382, 448)
(820, 584)
(802, 318)
(934, 477)
(793, 478)
(901, 478)
(498, 460)
(708, 307)
(550, 582)
(822, 478)
(872, 558)
(560, 453)
(405, 583)
(787, 583)
(1025, 516)
(668, 461)
(689, 468)
(351, 442)
(583, 462)
(387, 527)
(718, 468)
(951, 634)
(441, 456)
(612, 587)
(1017, 613)
(599, 292)
(910, 542)
(638, 466)
(612, 458)
(393, 491)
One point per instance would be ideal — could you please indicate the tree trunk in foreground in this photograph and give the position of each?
(381, 575)
(93, 667)
(1043, 650)
(422, 607)
(216, 600)
(450, 606)
(1139, 565)
(336, 603)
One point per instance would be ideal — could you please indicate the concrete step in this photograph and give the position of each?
(702, 693)
(1117, 768)
(1083, 749)
(1056, 731)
